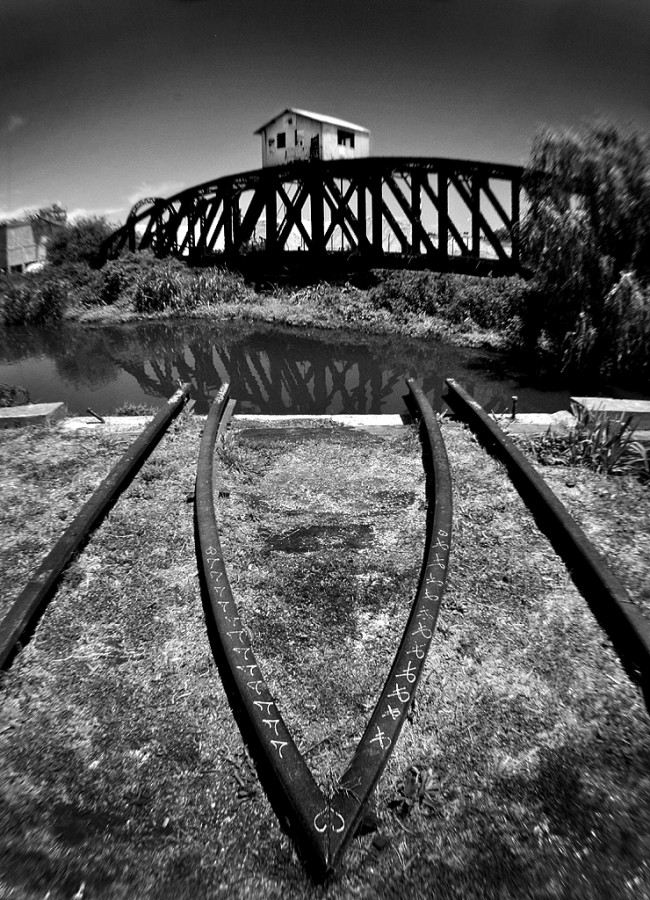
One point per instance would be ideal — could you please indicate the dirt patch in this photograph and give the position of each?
(353, 535)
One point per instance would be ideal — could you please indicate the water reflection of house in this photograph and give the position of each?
(297, 134)
(19, 246)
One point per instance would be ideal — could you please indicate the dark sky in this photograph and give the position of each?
(107, 101)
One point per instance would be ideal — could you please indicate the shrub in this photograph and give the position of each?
(211, 286)
(79, 242)
(13, 395)
(153, 285)
(119, 278)
(112, 283)
(159, 288)
(33, 299)
(401, 292)
(492, 303)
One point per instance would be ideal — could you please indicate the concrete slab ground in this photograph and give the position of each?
(110, 425)
(524, 423)
(536, 423)
(614, 408)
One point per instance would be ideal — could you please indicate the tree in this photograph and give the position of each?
(46, 220)
(79, 242)
(586, 236)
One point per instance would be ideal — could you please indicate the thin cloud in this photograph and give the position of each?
(15, 122)
(113, 214)
(160, 189)
(82, 212)
(19, 213)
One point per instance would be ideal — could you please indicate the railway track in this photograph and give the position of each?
(228, 841)
(321, 826)
(607, 596)
(22, 616)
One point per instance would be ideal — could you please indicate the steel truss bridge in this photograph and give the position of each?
(386, 212)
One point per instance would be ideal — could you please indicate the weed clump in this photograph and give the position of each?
(598, 442)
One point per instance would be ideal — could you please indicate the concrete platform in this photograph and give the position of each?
(31, 414)
(614, 408)
(110, 425)
(532, 424)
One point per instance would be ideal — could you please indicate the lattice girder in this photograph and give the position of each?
(445, 214)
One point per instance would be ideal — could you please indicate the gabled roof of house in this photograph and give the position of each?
(318, 117)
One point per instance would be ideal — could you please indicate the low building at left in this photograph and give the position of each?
(20, 247)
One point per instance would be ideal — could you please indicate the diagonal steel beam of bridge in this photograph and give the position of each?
(447, 215)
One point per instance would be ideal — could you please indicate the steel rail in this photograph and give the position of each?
(606, 595)
(25, 611)
(321, 826)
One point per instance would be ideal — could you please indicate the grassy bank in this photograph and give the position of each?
(523, 772)
(467, 309)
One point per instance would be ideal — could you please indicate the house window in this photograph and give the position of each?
(289, 121)
(271, 142)
(282, 140)
(346, 138)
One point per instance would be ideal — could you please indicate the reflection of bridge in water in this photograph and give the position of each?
(265, 381)
(420, 212)
(280, 372)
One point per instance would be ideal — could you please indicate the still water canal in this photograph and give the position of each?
(271, 369)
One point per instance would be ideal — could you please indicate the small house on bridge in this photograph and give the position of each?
(297, 134)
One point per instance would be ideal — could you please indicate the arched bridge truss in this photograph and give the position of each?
(419, 212)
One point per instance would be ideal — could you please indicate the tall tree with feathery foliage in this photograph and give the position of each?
(586, 237)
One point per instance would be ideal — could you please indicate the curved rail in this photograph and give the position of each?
(605, 593)
(321, 826)
(30, 603)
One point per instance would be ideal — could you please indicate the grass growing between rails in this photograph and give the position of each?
(522, 773)
(141, 287)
